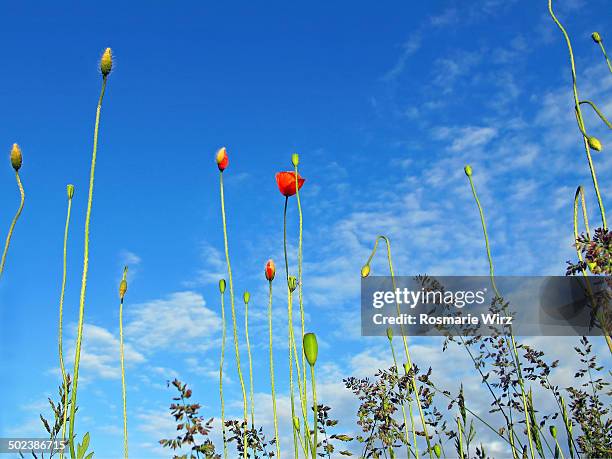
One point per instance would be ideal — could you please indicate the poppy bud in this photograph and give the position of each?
(437, 450)
(596, 37)
(365, 271)
(296, 423)
(311, 348)
(295, 159)
(106, 63)
(246, 297)
(468, 170)
(122, 289)
(553, 429)
(594, 143)
(389, 333)
(222, 285)
(16, 157)
(292, 283)
(70, 191)
(270, 270)
(222, 159)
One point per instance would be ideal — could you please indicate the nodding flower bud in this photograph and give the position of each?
(222, 159)
(246, 297)
(437, 450)
(292, 283)
(553, 429)
(70, 191)
(365, 271)
(596, 37)
(295, 159)
(16, 157)
(222, 285)
(468, 170)
(106, 63)
(311, 348)
(270, 270)
(123, 284)
(296, 423)
(594, 143)
(389, 333)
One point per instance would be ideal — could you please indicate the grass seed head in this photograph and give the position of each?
(596, 37)
(70, 191)
(106, 62)
(594, 143)
(16, 157)
(311, 348)
(222, 285)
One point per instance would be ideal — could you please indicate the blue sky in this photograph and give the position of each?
(384, 104)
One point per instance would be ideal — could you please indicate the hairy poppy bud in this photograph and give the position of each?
(553, 431)
(295, 159)
(16, 157)
(106, 63)
(296, 423)
(389, 333)
(365, 271)
(468, 170)
(222, 159)
(437, 450)
(222, 285)
(292, 283)
(311, 348)
(246, 297)
(594, 143)
(596, 37)
(123, 284)
(70, 191)
(270, 270)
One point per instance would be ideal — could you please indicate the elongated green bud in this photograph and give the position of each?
(311, 348)
(468, 170)
(553, 431)
(594, 143)
(295, 159)
(292, 283)
(389, 333)
(16, 157)
(123, 284)
(596, 37)
(70, 191)
(365, 271)
(106, 63)
(437, 450)
(296, 423)
(222, 285)
(246, 297)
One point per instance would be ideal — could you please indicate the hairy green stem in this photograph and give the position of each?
(408, 449)
(77, 355)
(316, 410)
(248, 344)
(223, 336)
(272, 372)
(123, 391)
(13, 223)
(603, 50)
(599, 113)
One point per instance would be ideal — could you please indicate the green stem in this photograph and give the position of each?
(13, 223)
(403, 407)
(235, 327)
(123, 391)
(603, 50)
(248, 343)
(223, 332)
(272, 373)
(316, 410)
(461, 455)
(599, 113)
(77, 355)
(61, 321)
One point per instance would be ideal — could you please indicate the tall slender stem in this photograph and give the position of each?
(316, 411)
(77, 355)
(13, 223)
(223, 333)
(408, 450)
(123, 391)
(277, 438)
(248, 344)
(235, 327)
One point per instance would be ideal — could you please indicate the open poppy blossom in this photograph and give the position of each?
(286, 182)
(222, 159)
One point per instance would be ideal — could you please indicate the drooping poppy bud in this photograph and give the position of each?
(437, 450)
(596, 37)
(106, 63)
(468, 170)
(222, 285)
(270, 270)
(70, 191)
(286, 182)
(16, 157)
(389, 333)
(311, 348)
(594, 143)
(295, 159)
(246, 297)
(222, 159)
(553, 431)
(365, 271)
(292, 283)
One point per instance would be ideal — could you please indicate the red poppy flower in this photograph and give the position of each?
(222, 159)
(270, 270)
(286, 182)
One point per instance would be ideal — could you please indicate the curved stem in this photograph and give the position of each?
(603, 50)
(77, 355)
(599, 113)
(13, 223)
(272, 373)
(235, 327)
(61, 320)
(223, 333)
